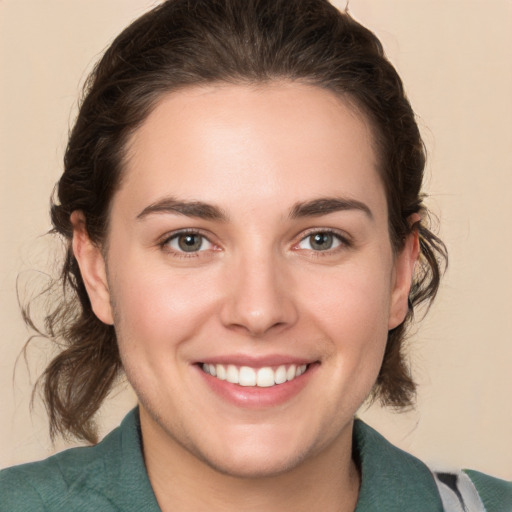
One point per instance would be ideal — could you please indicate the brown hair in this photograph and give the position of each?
(191, 42)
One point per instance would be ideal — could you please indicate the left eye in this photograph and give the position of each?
(189, 242)
(320, 241)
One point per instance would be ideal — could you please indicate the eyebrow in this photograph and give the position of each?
(201, 210)
(196, 209)
(326, 205)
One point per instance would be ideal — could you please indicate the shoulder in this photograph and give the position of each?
(470, 490)
(15, 491)
(58, 482)
(48, 484)
(109, 477)
(391, 479)
(496, 494)
(395, 480)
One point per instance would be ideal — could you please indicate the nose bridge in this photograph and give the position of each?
(260, 298)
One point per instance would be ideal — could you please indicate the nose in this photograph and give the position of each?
(260, 298)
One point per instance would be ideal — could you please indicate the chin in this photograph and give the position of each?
(240, 464)
(261, 451)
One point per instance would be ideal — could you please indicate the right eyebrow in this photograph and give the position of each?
(327, 205)
(196, 209)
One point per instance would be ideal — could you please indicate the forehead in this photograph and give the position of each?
(222, 141)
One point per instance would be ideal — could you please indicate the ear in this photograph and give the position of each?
(405, 262)
(93, 269)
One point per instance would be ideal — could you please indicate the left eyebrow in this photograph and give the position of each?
(326, 205)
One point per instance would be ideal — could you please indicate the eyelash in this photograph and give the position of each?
(342, 240)
(165, 243)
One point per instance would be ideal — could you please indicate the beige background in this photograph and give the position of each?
(456, 61)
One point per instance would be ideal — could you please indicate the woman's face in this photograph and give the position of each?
(249, 242)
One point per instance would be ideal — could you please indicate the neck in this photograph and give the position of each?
(328, 481)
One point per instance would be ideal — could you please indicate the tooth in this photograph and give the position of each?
(265, 377)
(232, 374)
(247, 376)
(221, 372)
(280, 376)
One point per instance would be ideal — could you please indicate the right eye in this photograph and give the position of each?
(188, 243)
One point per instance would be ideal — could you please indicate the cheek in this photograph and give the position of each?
(158, 309)
(351, 310)
(353, 299)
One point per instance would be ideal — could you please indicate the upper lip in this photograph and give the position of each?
(257, 361)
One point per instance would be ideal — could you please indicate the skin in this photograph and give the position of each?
(256, 288)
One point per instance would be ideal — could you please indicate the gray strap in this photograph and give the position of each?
(458, 492)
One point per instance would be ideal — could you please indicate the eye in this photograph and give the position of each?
(188, 242)
(320, 241)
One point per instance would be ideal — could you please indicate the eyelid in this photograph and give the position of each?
(164, 241)
(344, 239)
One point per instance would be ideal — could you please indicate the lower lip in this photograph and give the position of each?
(255, 397)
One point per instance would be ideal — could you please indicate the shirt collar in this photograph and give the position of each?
(391, 479)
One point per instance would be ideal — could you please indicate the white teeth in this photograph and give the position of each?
(265, 378)
(246, 376)
(221, 372)
(232, 374)
(280, 376)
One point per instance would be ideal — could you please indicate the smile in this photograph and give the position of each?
(256, 377)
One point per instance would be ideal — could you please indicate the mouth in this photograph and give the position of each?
(257, 383)
(247, 376)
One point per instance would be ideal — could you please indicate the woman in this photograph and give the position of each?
(247, 243)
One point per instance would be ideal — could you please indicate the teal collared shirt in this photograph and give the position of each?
(111, 476)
